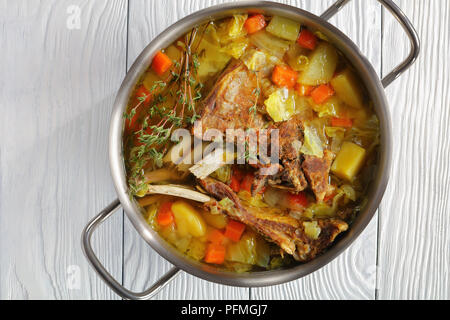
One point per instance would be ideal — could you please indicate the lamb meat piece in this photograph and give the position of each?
(290, 137)
(317, 172)
(290, 142)
(228, 104)
(277, 226)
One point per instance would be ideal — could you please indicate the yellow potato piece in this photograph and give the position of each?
(218, 221)
(322, 64)
(188, 220)
(348, 89)
(284, 28)
(348, 161)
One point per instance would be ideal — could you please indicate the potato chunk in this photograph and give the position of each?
(284, 28)
(348, 89)
(348, 161)
(188, 220)
(322, 64)
(218, 221)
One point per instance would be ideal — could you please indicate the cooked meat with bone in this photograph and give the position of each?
(290, 142)
(289, 233)
(317, 171)
(228, 104)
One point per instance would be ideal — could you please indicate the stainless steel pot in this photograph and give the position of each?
(368, 75)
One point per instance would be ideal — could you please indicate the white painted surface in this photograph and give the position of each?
(57, 86)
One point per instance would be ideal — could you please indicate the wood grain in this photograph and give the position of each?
(414, 254)
(56, 91)
(57, 87)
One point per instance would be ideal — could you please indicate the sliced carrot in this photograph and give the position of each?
(283, 76)
(234, 230)
(131, 124)
(298, 199)
(247, 182)
(303, 90)
(161, 63)
(329, 197)
(238, 173)
(307, 39)
(215, 253)
(216, 236)
(236, 179)
(235, 184)
(341, 122)
(322, 93)
(255, 23)
(142, 94)
(165, 214)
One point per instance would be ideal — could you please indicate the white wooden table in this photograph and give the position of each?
(58, 79)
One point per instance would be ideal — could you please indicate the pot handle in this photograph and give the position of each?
(104, 274)
(407, 27)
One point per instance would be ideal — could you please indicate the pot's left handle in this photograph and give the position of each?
(104, 274)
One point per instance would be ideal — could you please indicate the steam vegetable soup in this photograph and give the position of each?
(290, 88)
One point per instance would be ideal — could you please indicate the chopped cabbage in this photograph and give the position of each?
(222, 174)
(322, 210)
(236, 48)
(312, 230)
(251, 249)
(312, 145)
(232, 28)
(337, 136)
(236, 26)
(280, 105)
(254, 201)
(255, 60)
(331, 108)
(273, 45)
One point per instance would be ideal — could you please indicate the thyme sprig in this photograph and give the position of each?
(257, 93)
(183, 83)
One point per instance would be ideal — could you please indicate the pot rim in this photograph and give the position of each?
(376, 190)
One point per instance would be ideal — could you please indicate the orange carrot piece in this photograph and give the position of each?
(303, 90)
(165, 214)
(236, 179)
(216, 236)
(142, 94)
(329, 197)
(283, 76)
(322, 93)
(255, 23)
(215, 253)
(234, 230)
(307, 39)
(298, 199)
(161, 63)
(341, 122)
(235, 184)
(247, 182)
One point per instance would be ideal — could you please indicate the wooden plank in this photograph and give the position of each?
(353, 274)
(142, 266)
(57, 86)
(414, 255)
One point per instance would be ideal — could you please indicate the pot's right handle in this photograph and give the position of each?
(405, 23)
(104, 274)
